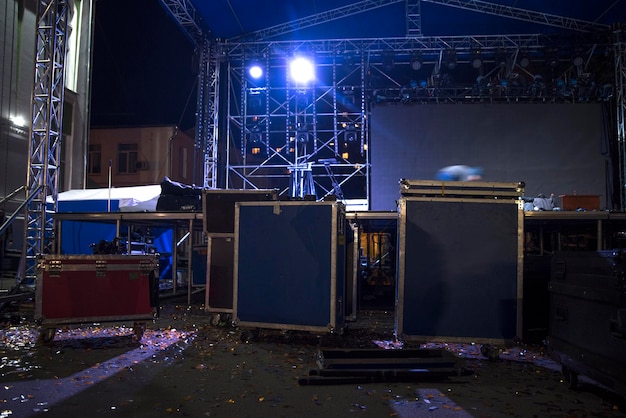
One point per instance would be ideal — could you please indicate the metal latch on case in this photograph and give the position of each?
(55, 268)
(101, 268)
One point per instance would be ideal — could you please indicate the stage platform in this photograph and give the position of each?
(549, 231)
(545, 231)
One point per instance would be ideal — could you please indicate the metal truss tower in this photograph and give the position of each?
(183, 12)
(303, 139)
(46, 130)
(413, 18)
(207, 112)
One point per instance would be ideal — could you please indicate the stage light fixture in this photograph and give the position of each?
(302, 70)
(477, 60)
(256, 136)
(349, 134)
(578, 60)
(255, 71)
(302, 137)
(524, 61)
(416, 62)
(302, 133)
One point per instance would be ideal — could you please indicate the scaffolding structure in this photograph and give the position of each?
(46, 130)
(296, 127)
(276, 134)
(276, 131)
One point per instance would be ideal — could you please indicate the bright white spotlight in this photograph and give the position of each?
(301, 70)
(255, 72)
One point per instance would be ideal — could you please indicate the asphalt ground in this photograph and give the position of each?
(193, 363)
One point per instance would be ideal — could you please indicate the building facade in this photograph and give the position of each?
(137, 156)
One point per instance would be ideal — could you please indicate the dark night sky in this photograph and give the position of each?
(143, 69)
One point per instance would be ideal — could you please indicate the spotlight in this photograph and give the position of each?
(416, 62)
(256, 136)
(302, 133)
(301, 70)
(349, 134)
(255, 101)
(255, 71)
(347, 96)
(477, 61)
(302, 137)
(524, 61)
(578, 60)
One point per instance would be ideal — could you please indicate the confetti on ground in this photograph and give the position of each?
(25, 397)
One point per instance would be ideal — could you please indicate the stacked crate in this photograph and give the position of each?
(460, 261)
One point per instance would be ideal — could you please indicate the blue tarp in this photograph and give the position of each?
(78, 237)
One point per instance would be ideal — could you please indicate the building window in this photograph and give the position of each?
(127, 158)
(94, 164)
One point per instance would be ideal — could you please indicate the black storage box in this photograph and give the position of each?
(588, 316)
(459, 269)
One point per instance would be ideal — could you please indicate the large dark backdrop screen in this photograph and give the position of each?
(553, 148)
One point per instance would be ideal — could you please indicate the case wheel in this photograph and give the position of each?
(138, 329)
(490, 351)
(46, 335)
(250, 335)
(570, 377)
(221, 319)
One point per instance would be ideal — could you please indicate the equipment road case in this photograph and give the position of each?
(218, 207)
(82, 289)
(459, 269)
(290, 265)
(587, 329)
(219, 278)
